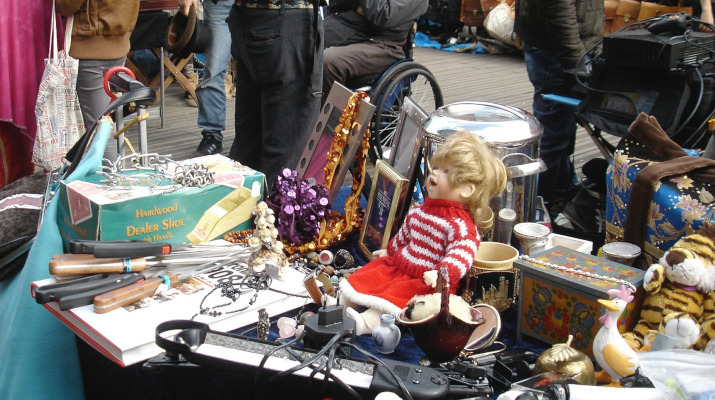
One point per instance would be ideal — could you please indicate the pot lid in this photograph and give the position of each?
(494, 123)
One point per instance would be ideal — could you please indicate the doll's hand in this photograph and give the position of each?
(430, 277)
(380, 253)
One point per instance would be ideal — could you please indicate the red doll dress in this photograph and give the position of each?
(438, 232)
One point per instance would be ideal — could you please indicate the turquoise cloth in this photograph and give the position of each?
(38, 354)
(422, 40)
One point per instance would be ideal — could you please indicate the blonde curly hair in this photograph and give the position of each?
(472, 162)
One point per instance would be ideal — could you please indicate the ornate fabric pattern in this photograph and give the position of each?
(680, 206)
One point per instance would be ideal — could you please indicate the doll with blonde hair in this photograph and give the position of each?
(464, 176)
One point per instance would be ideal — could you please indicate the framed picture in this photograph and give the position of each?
(406, 152)
(388, 192)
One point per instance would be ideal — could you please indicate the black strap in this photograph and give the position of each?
(172, 347)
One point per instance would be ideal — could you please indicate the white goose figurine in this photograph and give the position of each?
(611, 351)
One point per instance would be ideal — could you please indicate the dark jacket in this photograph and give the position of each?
(381, 20)
(101, 27)
(565, 28)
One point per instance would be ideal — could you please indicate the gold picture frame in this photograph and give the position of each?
(388, 192)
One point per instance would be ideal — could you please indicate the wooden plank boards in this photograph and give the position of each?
(497, 78)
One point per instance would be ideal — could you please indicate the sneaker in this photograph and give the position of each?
(209, 145)
(586, 212)
(555, 207)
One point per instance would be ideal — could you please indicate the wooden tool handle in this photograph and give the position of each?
(84, 264)
(129, 294)
(311, 284)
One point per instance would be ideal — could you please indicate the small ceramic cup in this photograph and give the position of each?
(621, 252)
(532, 237)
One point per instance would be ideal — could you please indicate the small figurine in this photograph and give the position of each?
(263, 325)
(265, 246)
(465, 176)
(611, 351)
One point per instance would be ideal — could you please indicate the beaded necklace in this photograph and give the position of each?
(233, 287)
(577, 271)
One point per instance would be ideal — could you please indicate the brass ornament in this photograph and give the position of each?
(563, 358)
(338, 226)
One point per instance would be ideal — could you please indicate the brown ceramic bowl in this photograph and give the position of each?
(441, 336)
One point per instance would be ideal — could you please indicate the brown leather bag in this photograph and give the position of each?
(488, 5)
(650, 10)
(611, 7)
(473, 13)
(626, 13)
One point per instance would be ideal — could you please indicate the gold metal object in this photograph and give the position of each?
(563, 358)
(337, 227)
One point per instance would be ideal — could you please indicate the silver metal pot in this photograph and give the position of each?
(514, 135)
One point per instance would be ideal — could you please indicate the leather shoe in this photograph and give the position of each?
(209, 145)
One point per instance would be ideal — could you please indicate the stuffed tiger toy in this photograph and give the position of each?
(680, 296)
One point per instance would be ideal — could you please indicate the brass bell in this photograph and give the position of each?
(563, 358)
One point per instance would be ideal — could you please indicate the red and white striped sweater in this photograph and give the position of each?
(439, 232)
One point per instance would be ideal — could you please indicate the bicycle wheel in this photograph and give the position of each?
(411, 80)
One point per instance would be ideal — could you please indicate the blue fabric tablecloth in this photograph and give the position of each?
(38, 356)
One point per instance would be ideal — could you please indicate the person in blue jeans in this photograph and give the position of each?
(211, 91)
(555, 35)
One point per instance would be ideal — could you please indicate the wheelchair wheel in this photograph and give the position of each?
(408, 79)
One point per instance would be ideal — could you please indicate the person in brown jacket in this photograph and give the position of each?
(100, 39)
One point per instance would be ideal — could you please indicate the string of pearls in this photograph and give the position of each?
(587, 274)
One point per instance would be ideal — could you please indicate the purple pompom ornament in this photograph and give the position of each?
(300, 207)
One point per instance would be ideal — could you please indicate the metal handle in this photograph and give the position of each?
(520, 165)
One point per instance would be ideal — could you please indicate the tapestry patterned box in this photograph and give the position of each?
(554, 304)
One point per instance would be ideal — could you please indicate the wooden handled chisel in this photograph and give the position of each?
(129, 294)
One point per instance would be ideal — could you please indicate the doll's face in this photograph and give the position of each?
(438, 185)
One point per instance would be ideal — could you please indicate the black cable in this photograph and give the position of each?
(325, 349)
(319, 368)
(290, 351)
(346, 387)
(405, 393)
(687, 35)
(335, 379)
(580, 62)
(275, 349)
(326, 374)
(697, 103)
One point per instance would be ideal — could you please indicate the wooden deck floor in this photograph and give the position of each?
(496, 78)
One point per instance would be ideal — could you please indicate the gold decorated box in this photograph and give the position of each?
(554, 304)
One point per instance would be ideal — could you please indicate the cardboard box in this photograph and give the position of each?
(584, 246)
(143, 206)
(555, 304)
